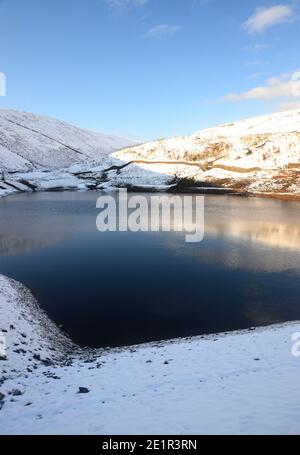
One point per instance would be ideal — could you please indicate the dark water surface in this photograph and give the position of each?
(114, 289)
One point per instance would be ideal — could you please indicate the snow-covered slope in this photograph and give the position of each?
(255, 155)
(237, 383)
(29, 142)
(276, 135)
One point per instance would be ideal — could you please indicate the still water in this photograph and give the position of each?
(116, 289)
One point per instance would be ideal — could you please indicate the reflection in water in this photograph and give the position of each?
(269, 222)
(123, 288)
(31, 221)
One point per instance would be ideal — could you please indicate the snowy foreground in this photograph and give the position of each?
(238, 383)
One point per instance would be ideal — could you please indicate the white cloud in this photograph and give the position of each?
(262, 47)
(288, 105)
(162, 29)
(257, 75)
(126, 3)
(284, 86)
(264, 18)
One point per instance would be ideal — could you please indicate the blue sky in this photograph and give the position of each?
(149, 68)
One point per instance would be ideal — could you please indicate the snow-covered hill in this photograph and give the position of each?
(267, 141)
(29, 142)
(261, 154)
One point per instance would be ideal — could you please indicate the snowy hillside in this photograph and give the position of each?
(238, 383)
(29, 142)
(275, 135)
(259, 156)
(255, 155)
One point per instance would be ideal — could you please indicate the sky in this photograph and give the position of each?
(148, 69)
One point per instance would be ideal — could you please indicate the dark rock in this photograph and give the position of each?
(83, 390)
(1, 400)
(47, 362)
(20, 351)
(16, 393)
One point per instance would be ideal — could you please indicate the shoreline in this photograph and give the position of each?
(153, 388)
(67, 345)
(170, 189)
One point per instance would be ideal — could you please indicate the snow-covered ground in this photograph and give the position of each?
(108, 174)
(236, 383)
